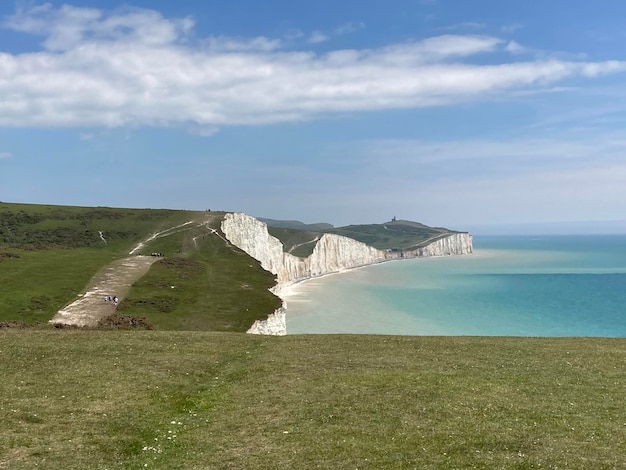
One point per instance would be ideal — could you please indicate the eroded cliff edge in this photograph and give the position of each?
(332, 254)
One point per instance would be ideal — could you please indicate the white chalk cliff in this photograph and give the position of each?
(332, 254)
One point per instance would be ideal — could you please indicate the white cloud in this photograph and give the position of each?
(317, 37)
(293, 34)
(515, 48)
(68, 26)
(134, 67)
(5, 155)
(229, 44)
(511, 28)
(470, 159)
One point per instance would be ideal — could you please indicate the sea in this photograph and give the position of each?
(546, 286)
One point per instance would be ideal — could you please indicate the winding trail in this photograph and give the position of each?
(315, 240)
(115, 279)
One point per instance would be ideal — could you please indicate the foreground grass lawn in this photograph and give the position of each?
(153, 399)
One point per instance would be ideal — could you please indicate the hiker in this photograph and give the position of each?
(115, 300)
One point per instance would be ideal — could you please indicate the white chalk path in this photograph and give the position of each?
(212, 231)
(115, 279)
(169, 231)
(315, 240)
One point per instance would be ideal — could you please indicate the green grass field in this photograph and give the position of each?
(149, 399)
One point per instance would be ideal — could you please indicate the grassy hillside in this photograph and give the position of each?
(214, 286)
(297, 225)
(93, 400)
(398, 234)
(297, 242)
(298, 238)
(49, 253)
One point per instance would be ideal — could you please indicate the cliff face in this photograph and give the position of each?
(332, 253)
(454, 244)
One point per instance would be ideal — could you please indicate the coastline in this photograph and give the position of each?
(296, 292)
(556, 288)
(332, 254)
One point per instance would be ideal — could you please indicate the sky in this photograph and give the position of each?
(447, 112)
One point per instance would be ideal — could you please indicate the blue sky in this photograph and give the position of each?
(451, 113)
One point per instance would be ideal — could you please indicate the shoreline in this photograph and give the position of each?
(290, 289)
(279, 288)
(500, 291)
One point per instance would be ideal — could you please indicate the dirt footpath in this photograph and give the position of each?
(114, 279)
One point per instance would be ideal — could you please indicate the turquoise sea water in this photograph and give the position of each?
(510, 286)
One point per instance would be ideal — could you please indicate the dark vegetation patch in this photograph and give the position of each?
(124, 322)
(59, 237)
(15, 324)
(161, 304)
(39, 303)
(64, 326)
(36, 230)
(47, 227)
(7, 255)
(184, 267)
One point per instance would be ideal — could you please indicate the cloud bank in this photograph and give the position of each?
(135, 67)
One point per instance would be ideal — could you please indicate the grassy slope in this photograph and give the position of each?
(49, 253)
(213, 287)
(297, 225)
(86, 399)
(297, 242)
(400, 234)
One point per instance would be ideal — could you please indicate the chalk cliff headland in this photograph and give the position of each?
(332, 254)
